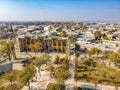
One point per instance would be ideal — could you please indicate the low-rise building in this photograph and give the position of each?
(47, 44)
(110, 43)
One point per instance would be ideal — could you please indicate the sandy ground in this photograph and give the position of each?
(45, 79)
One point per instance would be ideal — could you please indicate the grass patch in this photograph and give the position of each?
(53, 86)
(96, 72)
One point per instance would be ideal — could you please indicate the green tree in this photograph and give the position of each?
(65, 64)
(56, 86)
(63, 34)
(52, 70)
(97, 35)
(15, 30)
(106, 54)
(97, 51)
(12, 49)
(94, 51)
(105, 37)
(103, 77)
(89, 64)
(57, 60)
(90, 52)
(76, 69)
(62, 73)
(9, 76)
(1, 85)
(118, 52)
(41, 60)
(77, 54)
(77, 47)
(60, 84)
(85, 28)
(25, 75)
(114, 57)
(95, 79)
(8, 48)
(73, 39)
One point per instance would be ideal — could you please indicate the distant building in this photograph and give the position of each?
(104, 45)
(47, 28)
(71, 34)
(48, 44)
(110, 43)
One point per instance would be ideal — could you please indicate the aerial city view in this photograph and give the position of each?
(59, 44)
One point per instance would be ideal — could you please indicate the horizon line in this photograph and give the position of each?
(59, 20)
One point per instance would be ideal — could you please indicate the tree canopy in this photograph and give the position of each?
(97, 35)
(8, 48)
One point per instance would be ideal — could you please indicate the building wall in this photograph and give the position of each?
(111, 43)
(47, 45)
(5, 67)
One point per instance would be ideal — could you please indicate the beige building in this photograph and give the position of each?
(111, 43)
(47, 44)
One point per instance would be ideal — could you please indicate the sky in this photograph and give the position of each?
(59, 10)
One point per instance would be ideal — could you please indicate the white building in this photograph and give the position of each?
(110, 43)
(47, 28)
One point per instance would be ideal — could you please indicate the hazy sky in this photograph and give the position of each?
(60, 10)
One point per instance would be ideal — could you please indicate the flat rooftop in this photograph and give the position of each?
(45, 36)
(99, 46)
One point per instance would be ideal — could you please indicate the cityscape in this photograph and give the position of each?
(59, 44)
